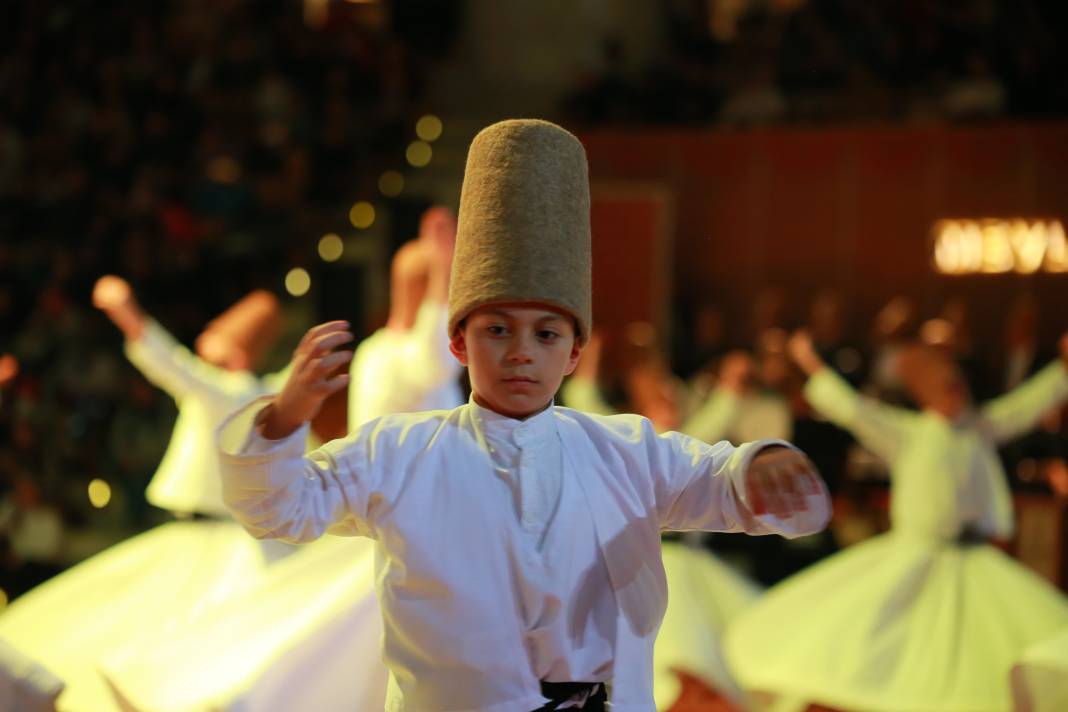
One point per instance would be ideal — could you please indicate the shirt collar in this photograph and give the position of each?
(502, 428)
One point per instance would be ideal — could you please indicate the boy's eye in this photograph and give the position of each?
(548, 334)
(496, 329)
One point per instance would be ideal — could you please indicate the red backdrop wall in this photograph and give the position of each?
(848, 207)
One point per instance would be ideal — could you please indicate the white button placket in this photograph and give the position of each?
(528, 520)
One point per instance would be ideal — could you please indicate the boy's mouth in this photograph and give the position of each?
(519, 379)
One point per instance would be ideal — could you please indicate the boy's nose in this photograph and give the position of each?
(520, 351)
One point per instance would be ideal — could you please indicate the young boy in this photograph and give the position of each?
(518, 543)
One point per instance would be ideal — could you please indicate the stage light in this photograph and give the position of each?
(362, 215)
(419, 153)
(99, 493)
(298, 281)
(391, 183)
(428, 128)
(331, 247)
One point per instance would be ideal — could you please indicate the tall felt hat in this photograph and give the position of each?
(523, 232)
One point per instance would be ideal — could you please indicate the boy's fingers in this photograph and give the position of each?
(328, 363)
(327, 341)
(787, 477)
(797, 500)
(337, 383)
(320, 329)
(775, 503)
(756, 496)
(809, 480)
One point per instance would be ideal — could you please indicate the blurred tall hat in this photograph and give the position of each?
(524, 224)
(250, 326)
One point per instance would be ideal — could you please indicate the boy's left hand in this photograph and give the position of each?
(779, 481)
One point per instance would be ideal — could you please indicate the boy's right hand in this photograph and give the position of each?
(312, 380)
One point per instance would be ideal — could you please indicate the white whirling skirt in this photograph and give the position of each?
(198, 615)
(896, 624)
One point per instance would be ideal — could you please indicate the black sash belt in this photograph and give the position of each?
(560, 692)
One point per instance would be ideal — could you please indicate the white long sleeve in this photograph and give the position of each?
(1017, 412)
(173, 368)
(881, 428)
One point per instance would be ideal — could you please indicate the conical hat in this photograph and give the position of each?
(251, 325)
(523, 232)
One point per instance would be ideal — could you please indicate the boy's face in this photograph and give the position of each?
(516, 355)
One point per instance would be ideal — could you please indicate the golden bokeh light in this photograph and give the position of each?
(3, 599)
(99, 493)
(331, 247)
(362, 215)
(391, 183)
(419, 153)
(428, 128)
(298, 281)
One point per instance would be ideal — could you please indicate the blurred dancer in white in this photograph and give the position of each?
(406, 366)
(140, 615)
(928, 616)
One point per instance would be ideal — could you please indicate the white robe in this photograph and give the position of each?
(418, 484)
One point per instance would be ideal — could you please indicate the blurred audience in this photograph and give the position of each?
(191, 147)
(751, 62)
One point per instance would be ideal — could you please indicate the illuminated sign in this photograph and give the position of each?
(997, 246)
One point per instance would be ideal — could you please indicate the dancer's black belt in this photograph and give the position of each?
(560, 692)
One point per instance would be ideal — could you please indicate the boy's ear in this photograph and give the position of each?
(458, 346)
(573, 359)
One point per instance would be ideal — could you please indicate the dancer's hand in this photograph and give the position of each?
(312, 379)
(9, 368)
(437, 235)
(113, 296)
(735, 371)
(803, 352)
(779, 480)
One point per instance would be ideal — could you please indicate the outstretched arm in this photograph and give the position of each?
(1017, 412)
(155, 353)
(879, 427)
(762, 487)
